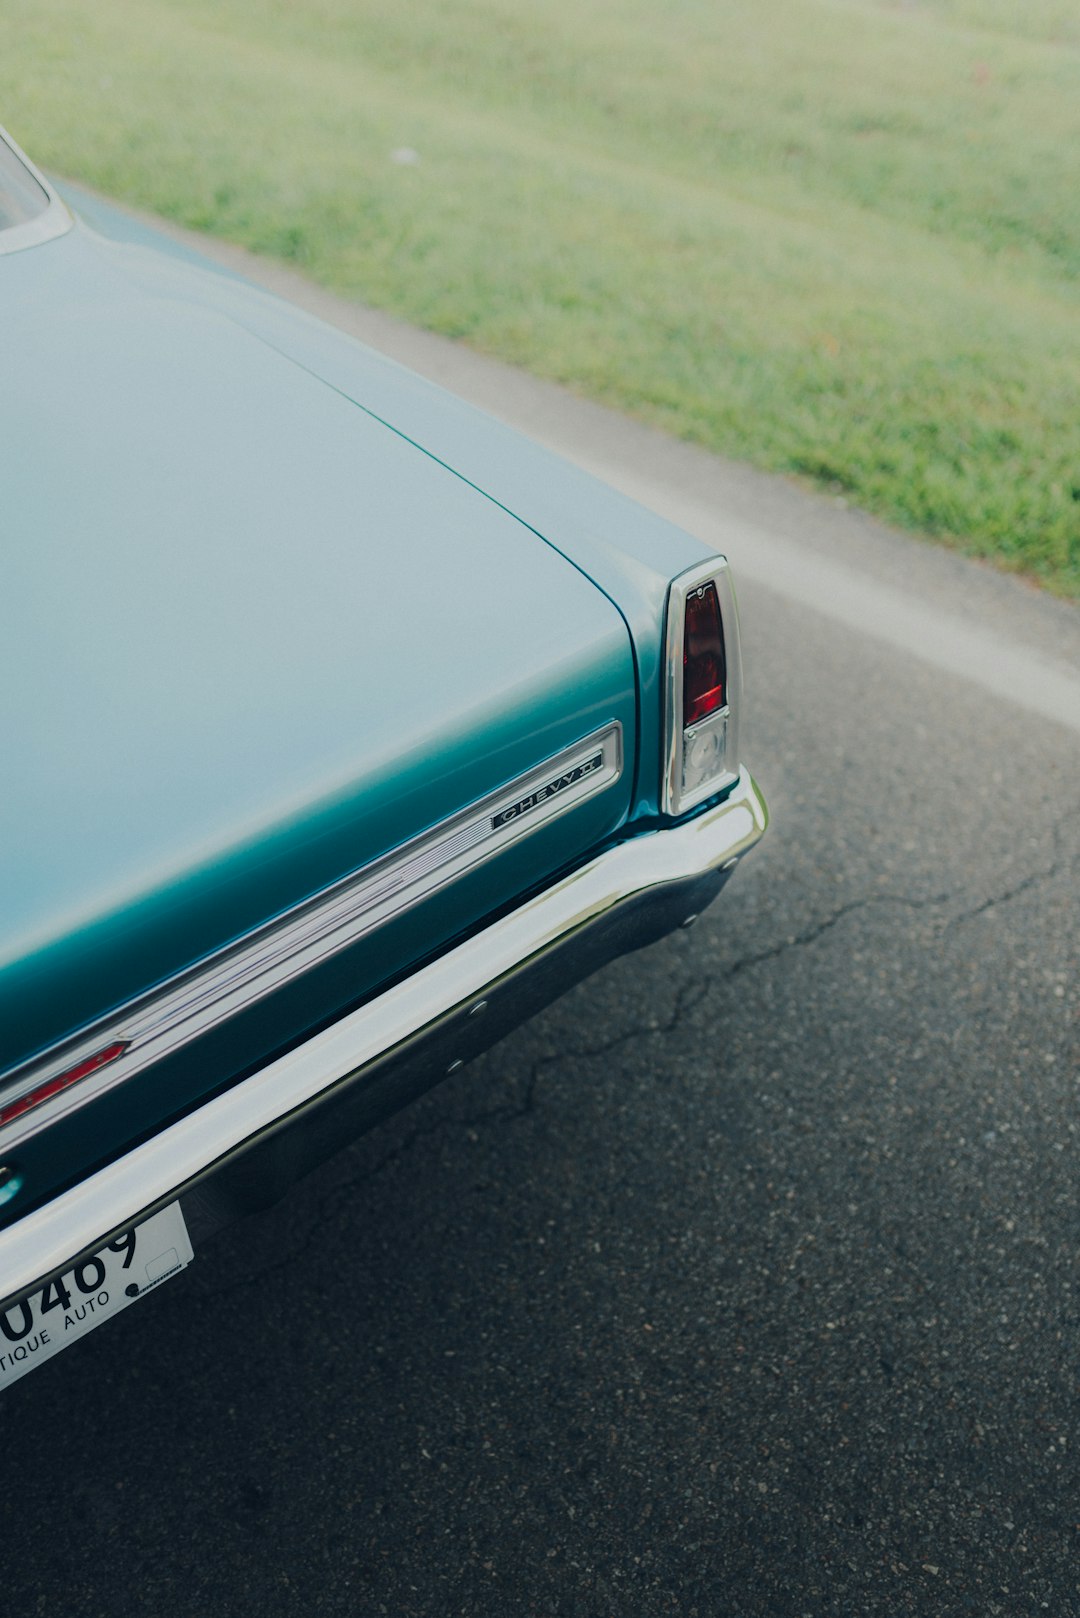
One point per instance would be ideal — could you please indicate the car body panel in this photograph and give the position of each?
(266, 637)
(628, 551)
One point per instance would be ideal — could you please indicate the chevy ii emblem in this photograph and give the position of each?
(514, 811)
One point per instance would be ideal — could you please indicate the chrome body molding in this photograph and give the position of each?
(265, 960)
(55, 220)
(673, 800)
(259, 1134)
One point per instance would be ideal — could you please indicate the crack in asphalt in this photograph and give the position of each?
(816, 930)
(810, 935)
(687, 997)
(1059, 864)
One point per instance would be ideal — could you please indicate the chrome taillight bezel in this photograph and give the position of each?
(675, 797)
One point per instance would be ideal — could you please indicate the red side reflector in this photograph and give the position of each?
(61, 1081)
(704, 672)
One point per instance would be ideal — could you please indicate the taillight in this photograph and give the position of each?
(61, 1081)
(703, 656)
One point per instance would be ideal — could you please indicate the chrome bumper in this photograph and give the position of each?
(241, 1149)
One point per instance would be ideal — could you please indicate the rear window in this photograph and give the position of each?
(21, 197)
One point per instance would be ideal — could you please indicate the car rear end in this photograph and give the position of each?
(345, 732)
(273, 1114)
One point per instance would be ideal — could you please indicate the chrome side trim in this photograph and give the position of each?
(715, 571)
(239, 976)
(55, 220)
(632, 892)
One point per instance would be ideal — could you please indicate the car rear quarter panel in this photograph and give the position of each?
(252, 640)
(629, 552)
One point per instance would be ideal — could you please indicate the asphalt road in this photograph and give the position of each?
(743, 1281)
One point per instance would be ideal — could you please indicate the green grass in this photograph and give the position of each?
(839, 238)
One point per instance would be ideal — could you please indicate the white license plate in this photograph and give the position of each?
(126, 1269)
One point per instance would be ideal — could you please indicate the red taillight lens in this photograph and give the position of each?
(61, 1081)
(704, 673)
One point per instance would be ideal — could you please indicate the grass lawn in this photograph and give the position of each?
(839, 238)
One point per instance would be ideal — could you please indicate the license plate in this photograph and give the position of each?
(130, 1266)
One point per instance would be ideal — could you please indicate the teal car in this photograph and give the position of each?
(343, 729)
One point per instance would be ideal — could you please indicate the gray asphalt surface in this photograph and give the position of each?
(743, 1281)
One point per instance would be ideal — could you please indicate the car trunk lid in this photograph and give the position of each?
(254, 640)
